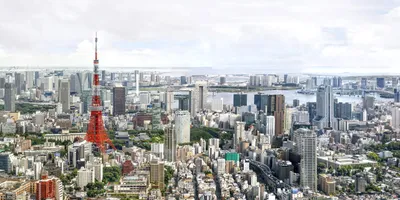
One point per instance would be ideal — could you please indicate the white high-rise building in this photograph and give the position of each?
(301, 117)
(169, 101)
(182, 126)
(217, 105)
(396, 118)
(47, 83)
(221, 166)
(325, 110)
(144, 98)
(84, 177)
(238, 133)
(96, 166)
(200, 94)
(270, 126)
(137, 82)
(307, 148)
(30, 79)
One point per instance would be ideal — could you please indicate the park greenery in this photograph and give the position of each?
(111, 174)
(394, 147)
(169, 172)
(26, 108)
(66, 178)
(95, 189)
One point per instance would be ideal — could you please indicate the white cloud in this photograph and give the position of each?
(302, 36)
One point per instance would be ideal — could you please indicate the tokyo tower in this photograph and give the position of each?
(96, 132)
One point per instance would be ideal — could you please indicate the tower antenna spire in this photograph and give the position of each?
(95, 47)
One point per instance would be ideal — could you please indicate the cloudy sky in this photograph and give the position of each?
(308, 36)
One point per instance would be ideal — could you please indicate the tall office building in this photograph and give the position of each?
(183, 80)
(2, 82)
(182, 126)
(112, 76)
(238, 133)
(343, 110)
(29, 79)
(202, 93)
(63, 95)
(170, 144)
(157, 173)
(119, 98)
(137, 79)
(339, 82)
(296, 103)
(306, 141)
(9, 97)
(368, 103)
(261, 100)
(19, 81)
(239, 100)
(169, 101)
(395, 81)
(270, 126)
(396, 118)
(364, 83)
(396, 96)
(222, 80)
(335, 82)
(380, 82)
(276, 107)
(285, 78)
(325, 108)
(37, 76)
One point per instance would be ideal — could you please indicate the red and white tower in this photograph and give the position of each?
(96, 132)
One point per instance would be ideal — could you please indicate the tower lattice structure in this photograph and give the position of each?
(96, 133)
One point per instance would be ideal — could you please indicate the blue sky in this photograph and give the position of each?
(310, 36)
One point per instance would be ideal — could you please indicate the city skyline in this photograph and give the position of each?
(345, 37)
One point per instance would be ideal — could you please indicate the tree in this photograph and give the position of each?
(373, 156)
(111, 174)
(321, 167)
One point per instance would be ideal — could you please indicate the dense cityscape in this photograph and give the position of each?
(200, 100)
(78, 134)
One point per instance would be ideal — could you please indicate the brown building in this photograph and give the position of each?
(276, 108)
(127, 167)
(119, 98)
(327, 184)
(139, 119)
(157, 173)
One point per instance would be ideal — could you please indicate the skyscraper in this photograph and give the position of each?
(19, 81)
(380, 82)
(296, 102)
(306, 141)
(222, 80)
(276, 107)
(63, 94)
(238, 133)
(2, 82)
(119, 98)
(325, 105)
(396, 96)
(202, 92)
(239, 100)
(137, 79)
(9, 97)
(339, 82)
(169, 100)
(270, 126)
(183, 80)
(182, 126)
(343, 110)
(29, 79)
(364, 83)
(260, 100)
(396, 118)
(170, 144)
